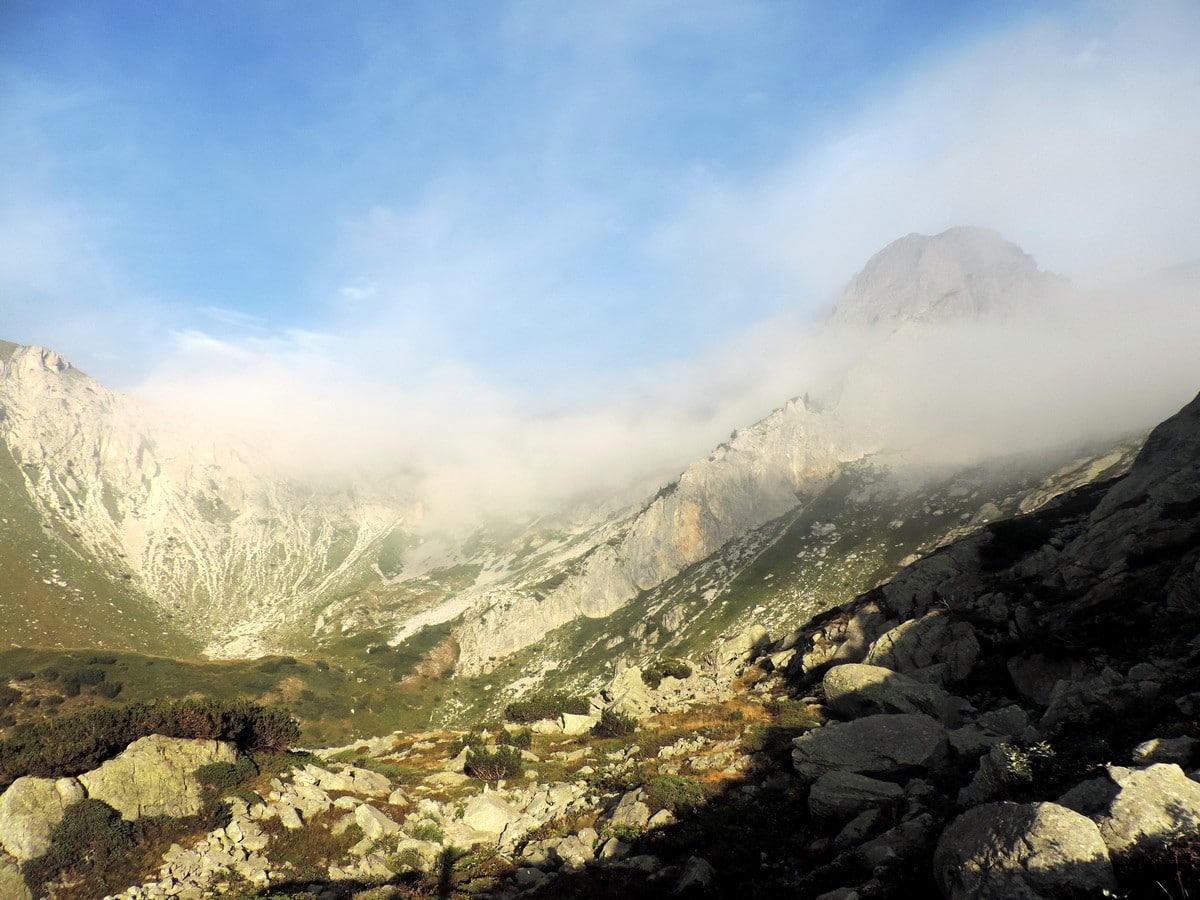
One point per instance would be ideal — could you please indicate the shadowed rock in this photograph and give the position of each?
(1002, 851)
(882, 745)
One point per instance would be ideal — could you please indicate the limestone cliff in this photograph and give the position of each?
(764, 472)
(204, 528)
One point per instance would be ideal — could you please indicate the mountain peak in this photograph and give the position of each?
(963, 273)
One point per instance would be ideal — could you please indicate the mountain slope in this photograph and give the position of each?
(777, 465)
(202, 529)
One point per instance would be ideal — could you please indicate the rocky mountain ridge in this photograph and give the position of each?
(201, 528)
(1011, 715)
(212, 546)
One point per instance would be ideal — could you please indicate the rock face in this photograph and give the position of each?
(30, 809)
(203, 529)
(883, 746)
(1001, 851)
(154, 776)
(856, 690)
(757, 477)
(962, 273)
(1151, 806)
(12, 885)
(843, 795)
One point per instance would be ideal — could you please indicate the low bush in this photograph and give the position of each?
(672, 792)
(473, 739)
(793, 714)
(108, 689)
(73, 744)
(8, 696)
(522, 738)
(89, 838)
(224, 777)
(425, 830)
(492, 765)
(545, 706)
(672, 668)
(615, 724)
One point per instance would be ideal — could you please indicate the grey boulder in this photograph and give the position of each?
(1021, 851)
(854, 690)
(881, 746)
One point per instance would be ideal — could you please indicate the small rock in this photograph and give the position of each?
(290, 818)
(1178, 750)
(697, 873)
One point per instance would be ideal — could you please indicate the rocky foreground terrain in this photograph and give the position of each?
(1013, 715)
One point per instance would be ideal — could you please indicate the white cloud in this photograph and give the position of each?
(1079, 144)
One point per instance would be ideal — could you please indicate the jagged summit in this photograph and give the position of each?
(963, 273)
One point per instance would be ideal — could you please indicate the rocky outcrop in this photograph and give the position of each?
(204, 529)
(761, 474)
(29, 810)
(961, 274)
(154, 776)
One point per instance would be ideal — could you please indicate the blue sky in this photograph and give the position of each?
(534, 203)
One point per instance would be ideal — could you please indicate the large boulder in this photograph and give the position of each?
(629, 693)
(374, 824)
(1002, 851)
(489, 813)
(12, 885)
(1151, 807)
(155, 776)
(30, 809)
(631, 811)
(883, 746)
(841, 796)
(934, 644)
(855, 690)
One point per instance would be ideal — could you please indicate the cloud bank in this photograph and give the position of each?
(604, 330)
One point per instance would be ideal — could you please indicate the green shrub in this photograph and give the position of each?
(109, 689)
(492, 765)
(8, 696)
(72, 744)
(671, 792)
(793, 714)
(91, 836)
(105, 660)
(522, 738)
(615, 724)
(425, 830)
(472, 739)
(224, 777)
(545, 706)
(673, 668)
